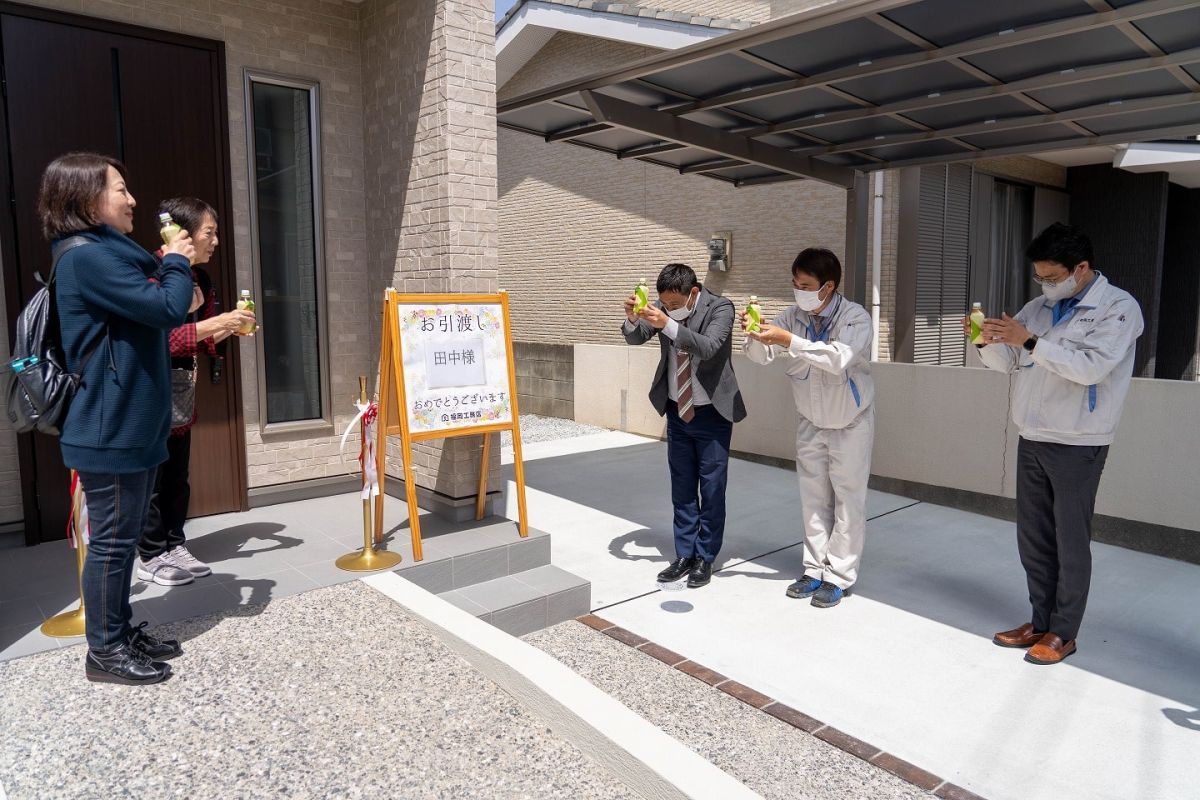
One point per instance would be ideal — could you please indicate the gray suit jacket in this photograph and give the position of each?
(707, 336)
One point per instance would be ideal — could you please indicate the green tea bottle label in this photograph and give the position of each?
(754, 315)
(643, 297)
(168, 230)
(246, 304)
(977, 318)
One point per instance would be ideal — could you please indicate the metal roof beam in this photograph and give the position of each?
(757, 35)
(572, 131)
(660, 125)
(648, 149)
(1045, 147)
(1049, 80)
(1017, 123)
(709, 166)
(982, 44)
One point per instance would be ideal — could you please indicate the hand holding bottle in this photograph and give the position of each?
(181, 244)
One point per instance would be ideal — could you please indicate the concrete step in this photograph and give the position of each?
(476, 555)
(526, 601)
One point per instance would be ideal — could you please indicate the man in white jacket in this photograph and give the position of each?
(1072, 351)
(826, 340)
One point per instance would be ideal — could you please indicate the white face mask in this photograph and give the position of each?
(680, 314)
(808, 301)
(1060, 290)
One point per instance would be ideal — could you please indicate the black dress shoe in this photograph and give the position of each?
(701, 574)
(153, 647)
(679, 567)
(124, 664)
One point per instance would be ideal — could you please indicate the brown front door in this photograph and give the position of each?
(156, 101)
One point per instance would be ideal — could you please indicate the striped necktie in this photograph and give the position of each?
(683, 380)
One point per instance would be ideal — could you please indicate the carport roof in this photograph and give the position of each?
(877, 84)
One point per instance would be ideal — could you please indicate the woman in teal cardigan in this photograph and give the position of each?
(115, 433)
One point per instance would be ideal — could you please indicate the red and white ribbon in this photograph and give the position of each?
(366, 456)
(78, 500)
(366, 419)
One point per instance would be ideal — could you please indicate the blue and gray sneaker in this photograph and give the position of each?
(827, 596)
(805, 587)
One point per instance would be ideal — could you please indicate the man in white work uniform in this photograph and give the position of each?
(1072, 351)
(826, 340)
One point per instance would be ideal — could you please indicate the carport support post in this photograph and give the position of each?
(854, 265)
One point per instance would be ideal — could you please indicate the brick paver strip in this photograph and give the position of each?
(668, 657)
(628, 637)
(906, 771)
(850, 744)
(702, 672)
(592, 621)
(797, 719)
(745, 694)
(949, 791)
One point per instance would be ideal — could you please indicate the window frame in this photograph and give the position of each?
(251, 77)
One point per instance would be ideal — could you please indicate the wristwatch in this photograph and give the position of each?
(1030, 343)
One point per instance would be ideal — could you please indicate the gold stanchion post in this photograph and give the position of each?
(368, 559)
(71, 623)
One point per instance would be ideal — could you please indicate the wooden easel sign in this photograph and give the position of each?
(446, 370)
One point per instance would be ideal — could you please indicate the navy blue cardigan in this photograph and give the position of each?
(120, 417)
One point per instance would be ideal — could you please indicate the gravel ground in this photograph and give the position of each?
(549, 429)
(769, 756)
(335, 693)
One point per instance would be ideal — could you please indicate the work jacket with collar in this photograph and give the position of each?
(1071, 388)
(829, 361)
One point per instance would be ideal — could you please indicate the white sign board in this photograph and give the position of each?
(455, 365)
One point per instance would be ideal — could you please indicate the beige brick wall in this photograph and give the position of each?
(579, 228)
(431, 188)
(568, 56)
(781, 8)
(745, 10)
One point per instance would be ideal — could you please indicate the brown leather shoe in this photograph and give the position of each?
(1050, 650)
(1024, 636)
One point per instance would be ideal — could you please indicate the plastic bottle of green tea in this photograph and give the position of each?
(245, 303)
(168, 229)
(754, 315)
(977, 318)
(643, 297)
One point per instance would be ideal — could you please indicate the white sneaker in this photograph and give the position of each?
(180, 556)
(163, 572)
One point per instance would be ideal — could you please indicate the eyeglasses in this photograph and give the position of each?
(1040, 281)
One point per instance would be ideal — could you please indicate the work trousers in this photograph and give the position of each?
(1056, 496)
(833, 466)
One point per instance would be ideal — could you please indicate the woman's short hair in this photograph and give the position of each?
(188, 212)
(72, 186)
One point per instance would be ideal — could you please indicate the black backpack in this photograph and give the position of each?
(40, 387)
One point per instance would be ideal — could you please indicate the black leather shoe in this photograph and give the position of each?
(701, 574)
(153, 647)
(124, 664)
(679, 567)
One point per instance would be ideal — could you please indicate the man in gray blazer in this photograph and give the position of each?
(696, 390)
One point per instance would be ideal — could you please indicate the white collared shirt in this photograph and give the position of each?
(699, 396)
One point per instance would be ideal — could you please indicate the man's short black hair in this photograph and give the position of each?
(1062, 244)
(822, 264)
(677, 278)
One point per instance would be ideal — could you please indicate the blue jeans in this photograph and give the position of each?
(698, 457)
(117, 506)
